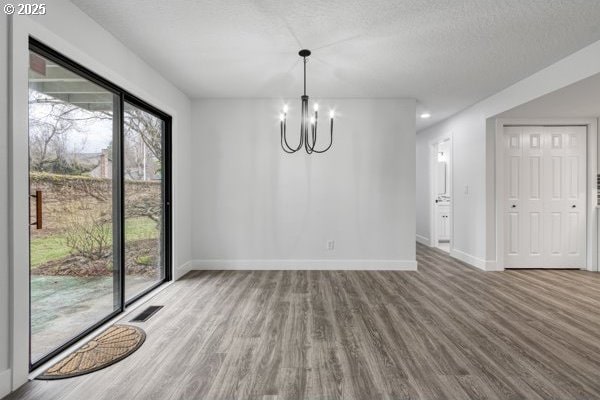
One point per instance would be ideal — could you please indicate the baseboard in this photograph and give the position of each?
(423, 240)
(357, 265)
(492, 265)
(474, 261)
(5, 382)
(182, 270)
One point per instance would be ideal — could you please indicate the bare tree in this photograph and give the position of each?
(142, 132)
(50, 121)
(148, 127)
(47, 134)
(89, 232)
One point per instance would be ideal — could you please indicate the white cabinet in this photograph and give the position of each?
(443, 222)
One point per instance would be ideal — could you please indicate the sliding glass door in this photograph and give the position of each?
(143, 163)
(71, 153)
(99, 201)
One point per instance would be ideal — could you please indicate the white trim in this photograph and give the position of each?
(182, 270)
(423, 240)
(591, 171)
(5, 382)
(432, 189)
(358, 265)
(476, 262)
(18, 200)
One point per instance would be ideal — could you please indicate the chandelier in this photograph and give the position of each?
(307, 123)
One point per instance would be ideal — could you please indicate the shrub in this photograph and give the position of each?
(144, 260)
(89, 233)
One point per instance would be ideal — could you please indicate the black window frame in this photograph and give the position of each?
(124, 96)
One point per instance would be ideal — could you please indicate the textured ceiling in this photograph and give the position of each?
(447, 54)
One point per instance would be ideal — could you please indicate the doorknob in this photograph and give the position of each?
(573, 206)
(514, 206)
(38, 209)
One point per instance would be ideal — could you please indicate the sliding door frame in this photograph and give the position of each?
(166, 194)
(118, 193)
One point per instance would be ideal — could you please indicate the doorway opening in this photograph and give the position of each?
(441, 198)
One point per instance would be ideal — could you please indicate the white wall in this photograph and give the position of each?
(473, 156)
(71, 32)
(4, 277)
(257, 207)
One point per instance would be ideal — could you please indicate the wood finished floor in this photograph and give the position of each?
(447, 331)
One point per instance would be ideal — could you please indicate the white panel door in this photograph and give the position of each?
(545, 197)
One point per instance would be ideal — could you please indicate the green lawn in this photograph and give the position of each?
(54, 247)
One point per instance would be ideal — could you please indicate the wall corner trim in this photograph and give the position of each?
(182, 269)
(310, 264)
(484, 265)
(423, 240)
(5, 382)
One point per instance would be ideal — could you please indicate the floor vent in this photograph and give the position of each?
(146, 314)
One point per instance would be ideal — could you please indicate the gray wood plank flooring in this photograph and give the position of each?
(447, 331)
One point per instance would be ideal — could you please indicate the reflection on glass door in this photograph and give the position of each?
(143, 190)
(75, 279)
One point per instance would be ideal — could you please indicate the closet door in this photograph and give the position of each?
(545, 204)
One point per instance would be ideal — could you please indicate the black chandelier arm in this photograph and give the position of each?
(307, 146)
(310, 148)
(330, 140)
(284, 143)
(286, 148)
(314, 131)
(305, 123)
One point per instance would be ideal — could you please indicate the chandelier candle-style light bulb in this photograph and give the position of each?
(309, 141)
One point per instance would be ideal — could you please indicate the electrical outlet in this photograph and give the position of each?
(330, 245)
(466, 189)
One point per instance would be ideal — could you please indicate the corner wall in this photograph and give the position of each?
(473, 132)
(259, 208)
